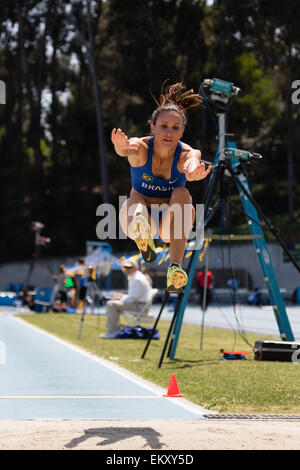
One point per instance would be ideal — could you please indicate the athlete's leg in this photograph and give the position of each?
(138, 225)
(175, 227)
(177, 222)
(135, 205)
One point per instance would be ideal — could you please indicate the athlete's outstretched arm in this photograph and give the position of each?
(122, 144)
(193, 168)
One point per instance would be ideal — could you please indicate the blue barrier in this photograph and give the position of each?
(7, 298)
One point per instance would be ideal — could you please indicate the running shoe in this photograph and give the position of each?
(142, 237)
(177, 278)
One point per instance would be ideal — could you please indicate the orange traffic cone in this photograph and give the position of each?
(173, 390)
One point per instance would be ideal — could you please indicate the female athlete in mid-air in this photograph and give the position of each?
(160, 165)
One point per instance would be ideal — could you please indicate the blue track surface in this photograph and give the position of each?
(43, 377)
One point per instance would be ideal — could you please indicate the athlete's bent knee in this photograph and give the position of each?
(181, 194)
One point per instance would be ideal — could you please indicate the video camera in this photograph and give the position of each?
(218, 92)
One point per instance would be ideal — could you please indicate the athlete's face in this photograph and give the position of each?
(168, 128)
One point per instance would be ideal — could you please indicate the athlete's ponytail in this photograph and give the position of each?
(176, 99)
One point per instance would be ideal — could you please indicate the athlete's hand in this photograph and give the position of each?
(118, 137)
(121, 142)
(195, 170)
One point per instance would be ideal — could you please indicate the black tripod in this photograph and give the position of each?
(169, 331)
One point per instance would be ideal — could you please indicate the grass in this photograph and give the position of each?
(246, 386)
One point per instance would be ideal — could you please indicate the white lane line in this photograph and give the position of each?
(155, 389)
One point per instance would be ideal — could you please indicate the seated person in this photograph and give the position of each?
(139, 293)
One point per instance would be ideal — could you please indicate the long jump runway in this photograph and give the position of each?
(44, 377)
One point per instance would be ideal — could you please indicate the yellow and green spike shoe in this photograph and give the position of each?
(177, 278)
(142, 237)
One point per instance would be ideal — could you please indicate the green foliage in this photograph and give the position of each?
(259, 104)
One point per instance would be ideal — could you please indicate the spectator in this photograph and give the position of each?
(60, 291)
(81, 283)
(201, 287)
(139, 293)
(29, 298)
(71, 290)
(93, 292)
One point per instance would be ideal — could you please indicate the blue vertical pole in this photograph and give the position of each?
(263, 255)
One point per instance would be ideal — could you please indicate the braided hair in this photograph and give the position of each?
(175, 99)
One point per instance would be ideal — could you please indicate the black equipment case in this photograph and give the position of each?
(265, 350)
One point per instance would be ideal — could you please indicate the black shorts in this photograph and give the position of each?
(82, 292)
(62, 296)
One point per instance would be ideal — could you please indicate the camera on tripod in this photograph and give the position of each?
(218, 92)
(241, 154)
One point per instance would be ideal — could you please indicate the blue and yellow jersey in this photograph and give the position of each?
(144, 182)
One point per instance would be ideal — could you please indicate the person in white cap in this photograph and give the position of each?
(139, 293)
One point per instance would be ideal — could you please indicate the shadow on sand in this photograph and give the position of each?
(112, 435)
